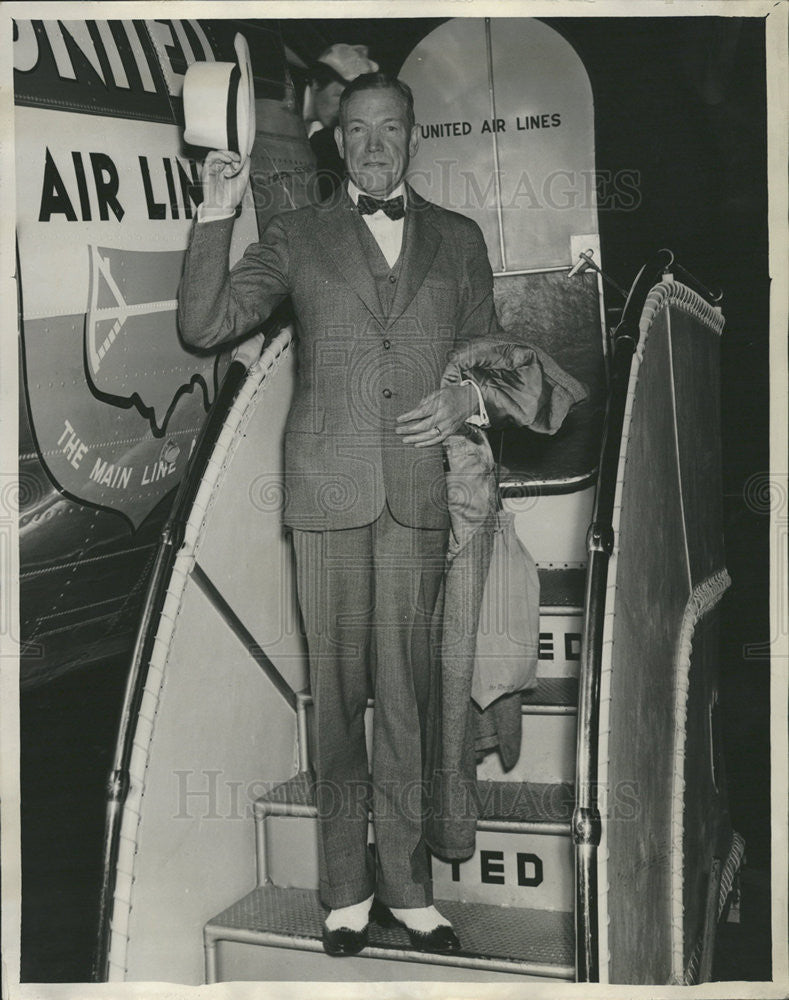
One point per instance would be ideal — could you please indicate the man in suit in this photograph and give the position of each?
(384, 285)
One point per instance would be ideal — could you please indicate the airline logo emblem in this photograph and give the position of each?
(117, 423)
(132, 315)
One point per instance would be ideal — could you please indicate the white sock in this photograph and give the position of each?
(354, 918)
(421, 918)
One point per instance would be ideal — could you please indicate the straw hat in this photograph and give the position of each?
(345, 62)
(219, 103)
(349, 61)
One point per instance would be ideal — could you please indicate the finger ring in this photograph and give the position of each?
(436, 430)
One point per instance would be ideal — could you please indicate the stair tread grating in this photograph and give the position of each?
(295, 791)
(514, 801)
(547, 691)
(526, 801)
(486, 931)
(552, 691)
(562, 587)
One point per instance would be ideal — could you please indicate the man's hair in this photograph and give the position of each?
(379, 81)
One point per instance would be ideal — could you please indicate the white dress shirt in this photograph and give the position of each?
(388, 233)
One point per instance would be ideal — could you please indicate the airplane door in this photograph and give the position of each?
(507, 136)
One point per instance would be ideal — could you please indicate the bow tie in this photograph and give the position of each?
(394, 207)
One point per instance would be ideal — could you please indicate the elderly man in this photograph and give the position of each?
(384, 285)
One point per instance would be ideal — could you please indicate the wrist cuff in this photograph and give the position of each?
(212, 214)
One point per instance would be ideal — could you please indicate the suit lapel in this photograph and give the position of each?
(339, 239)
(421, 241)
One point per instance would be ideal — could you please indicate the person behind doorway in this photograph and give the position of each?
(333, 70)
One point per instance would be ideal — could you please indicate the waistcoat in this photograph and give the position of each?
(385, 277)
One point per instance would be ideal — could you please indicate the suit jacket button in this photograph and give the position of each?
(387, 393)
(387, 344)
(392, 278)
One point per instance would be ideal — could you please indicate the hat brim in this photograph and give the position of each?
(245, 102)
(219, 103)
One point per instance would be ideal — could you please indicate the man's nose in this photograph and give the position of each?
(373, 140)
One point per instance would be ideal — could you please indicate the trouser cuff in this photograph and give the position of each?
(405, 897)
(347, 894)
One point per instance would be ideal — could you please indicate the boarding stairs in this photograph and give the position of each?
(511, 902)
(567, 881)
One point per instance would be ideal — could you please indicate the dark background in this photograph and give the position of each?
(682, 101)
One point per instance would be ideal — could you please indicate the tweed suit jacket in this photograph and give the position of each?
(360, 365)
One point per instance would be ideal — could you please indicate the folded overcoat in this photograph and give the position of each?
(522, 387)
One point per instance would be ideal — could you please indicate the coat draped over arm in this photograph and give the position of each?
(522, 387)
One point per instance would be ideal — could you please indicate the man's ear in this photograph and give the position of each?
(413, 142)
(339, 140)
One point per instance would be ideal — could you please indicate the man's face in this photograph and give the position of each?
(375, 140)
(327, 103)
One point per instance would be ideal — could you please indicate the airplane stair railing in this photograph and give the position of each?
(586, 816)
(594, 945)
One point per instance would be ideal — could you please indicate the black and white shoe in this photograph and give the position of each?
(343, 941)
(440, 940)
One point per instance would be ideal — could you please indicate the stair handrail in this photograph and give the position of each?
(171, 539)
(586, 821)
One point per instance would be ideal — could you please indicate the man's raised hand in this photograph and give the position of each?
(225, 179)
(437, 416)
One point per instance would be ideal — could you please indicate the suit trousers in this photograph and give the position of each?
(367, 597)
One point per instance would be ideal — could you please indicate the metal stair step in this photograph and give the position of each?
(552, 694)
(547, 751)
(502, 804)
(522, 857)
(495, 939)
(562, 586)
(522, 802)
(549, 693)
(288, 797)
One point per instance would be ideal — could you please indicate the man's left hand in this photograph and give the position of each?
(438, 415)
